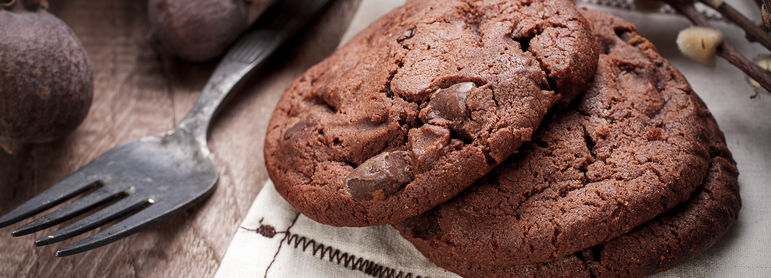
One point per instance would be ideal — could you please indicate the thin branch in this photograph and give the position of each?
(765, 8)
(8, 4)
(753, 32)
(725, 50)
(733, 56)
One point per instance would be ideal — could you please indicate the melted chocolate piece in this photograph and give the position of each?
(297, 130)
(450, 103)
(428, 143)
(379, 176)
(406, 35)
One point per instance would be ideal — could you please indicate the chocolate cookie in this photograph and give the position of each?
(422, 103)
(638, 143)
(658, 245)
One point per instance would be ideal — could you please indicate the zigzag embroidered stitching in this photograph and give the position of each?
(335, 255)
(343, 258)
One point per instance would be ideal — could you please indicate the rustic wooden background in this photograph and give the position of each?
(139, 91)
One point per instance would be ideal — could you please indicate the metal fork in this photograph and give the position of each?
(154, 176)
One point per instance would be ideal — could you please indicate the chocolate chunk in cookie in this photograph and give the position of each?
(379, 176)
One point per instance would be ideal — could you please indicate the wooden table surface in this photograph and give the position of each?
(139, 91)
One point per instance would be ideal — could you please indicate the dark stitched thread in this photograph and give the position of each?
(279, 245)
(344, 259)
(332, 254)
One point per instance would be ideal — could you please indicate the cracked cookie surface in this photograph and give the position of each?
(422, 103)
(668, 240)
(635, 145)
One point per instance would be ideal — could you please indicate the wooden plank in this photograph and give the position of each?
(141, 92)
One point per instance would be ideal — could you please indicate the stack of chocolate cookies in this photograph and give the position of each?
(508, 138)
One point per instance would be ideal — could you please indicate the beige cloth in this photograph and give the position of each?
(276, 241)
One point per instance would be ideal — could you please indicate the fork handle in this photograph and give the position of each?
(271, 30)
(219, 86)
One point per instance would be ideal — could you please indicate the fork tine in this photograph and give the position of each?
(70, 186)
(94, 220)
(120, 230)
(74, 209)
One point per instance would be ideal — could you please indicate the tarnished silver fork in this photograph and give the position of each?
(151, 177)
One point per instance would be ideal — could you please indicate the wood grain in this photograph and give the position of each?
(138, 92)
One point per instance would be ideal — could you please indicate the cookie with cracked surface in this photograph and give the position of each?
(422, 103)
(633, 147)
(660, 244)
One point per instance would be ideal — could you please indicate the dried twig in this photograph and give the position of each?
(753, 32)
(725, 50)
(765, 14)
(7, 4)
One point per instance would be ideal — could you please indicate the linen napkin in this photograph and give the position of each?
(277, 241)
